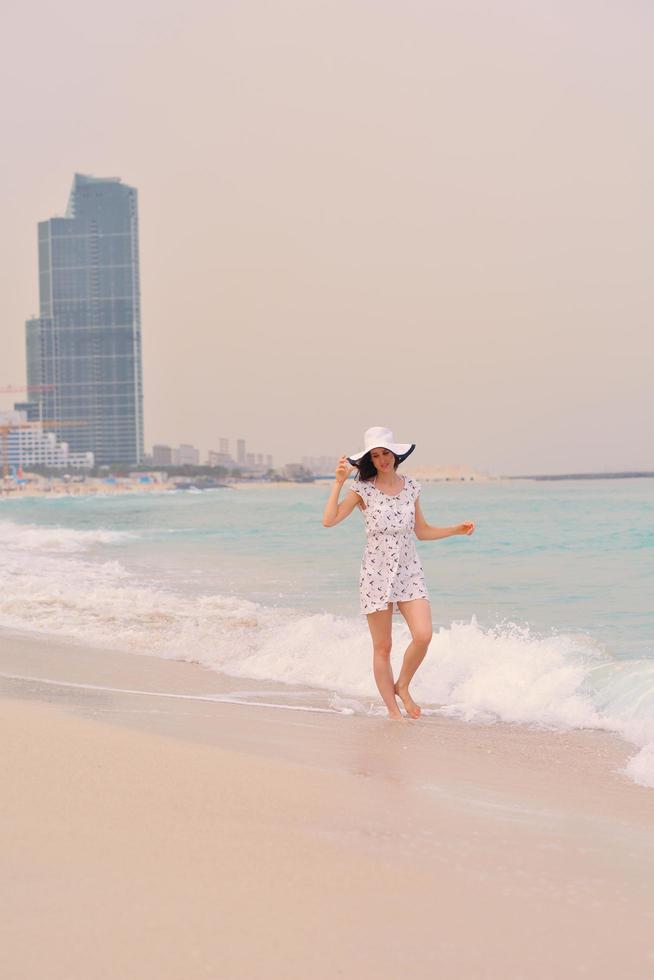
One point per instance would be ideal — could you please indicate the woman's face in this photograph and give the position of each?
(383, 460)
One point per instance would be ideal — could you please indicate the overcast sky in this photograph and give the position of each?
(431, 215)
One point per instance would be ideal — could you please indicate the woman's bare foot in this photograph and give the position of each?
(412, 709)
(395, 715)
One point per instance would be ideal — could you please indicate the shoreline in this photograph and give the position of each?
(65, 490)
(195, 838)
(56, 669)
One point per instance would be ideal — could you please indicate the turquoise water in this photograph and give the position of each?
(544, 616)
(573, 556)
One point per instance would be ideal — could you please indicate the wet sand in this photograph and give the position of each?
(146, 836)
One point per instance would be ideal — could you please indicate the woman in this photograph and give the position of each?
(391, 577)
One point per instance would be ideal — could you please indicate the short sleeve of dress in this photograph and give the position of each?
(359, 487)
(415, 489)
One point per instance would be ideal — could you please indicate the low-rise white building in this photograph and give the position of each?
(185, 455)
(221, 459)
(162, 455)
(33, 445)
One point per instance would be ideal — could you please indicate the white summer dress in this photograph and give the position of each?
(390, 569)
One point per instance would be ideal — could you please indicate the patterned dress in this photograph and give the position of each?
(390, 569)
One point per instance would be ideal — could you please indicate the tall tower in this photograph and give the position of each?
(86, 343)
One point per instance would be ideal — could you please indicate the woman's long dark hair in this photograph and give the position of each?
(366, 467)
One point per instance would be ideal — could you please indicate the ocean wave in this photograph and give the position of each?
(506, 673)
(41, 538)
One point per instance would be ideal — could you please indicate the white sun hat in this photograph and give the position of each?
(380, 438)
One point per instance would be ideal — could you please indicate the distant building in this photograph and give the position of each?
(185, 455)
(320, 465)
(221, 459)
(162, 455)
(256, 462)
(86, 341)
(31, 410)
(295, 471)
(36, 446)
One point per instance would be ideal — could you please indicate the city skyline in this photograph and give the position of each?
(435, 218)
(164, 454)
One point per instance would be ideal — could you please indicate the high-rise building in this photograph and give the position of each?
(224, 446)
(240, 450)
(86, 343)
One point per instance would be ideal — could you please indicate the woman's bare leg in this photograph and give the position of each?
(380, 624)
(417, 613)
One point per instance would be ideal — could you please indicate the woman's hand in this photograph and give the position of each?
(466, 528)
(343, 470)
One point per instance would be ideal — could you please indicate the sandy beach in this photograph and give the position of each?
(146, 836)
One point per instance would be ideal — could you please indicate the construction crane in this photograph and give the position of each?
(9, 427)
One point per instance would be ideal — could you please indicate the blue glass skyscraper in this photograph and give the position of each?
(85, 347)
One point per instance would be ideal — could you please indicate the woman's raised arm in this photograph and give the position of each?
(335, 512)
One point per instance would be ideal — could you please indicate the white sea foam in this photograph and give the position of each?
(49, 585)
(37, 537)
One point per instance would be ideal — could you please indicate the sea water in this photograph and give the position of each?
(544, 616)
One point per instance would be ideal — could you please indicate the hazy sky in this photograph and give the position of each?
(431, 215)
